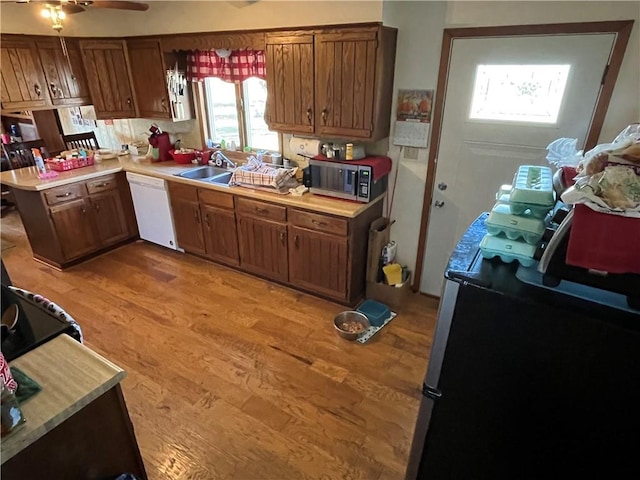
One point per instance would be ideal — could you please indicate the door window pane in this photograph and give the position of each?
(519, 93)
(255, 99)
(221, 106)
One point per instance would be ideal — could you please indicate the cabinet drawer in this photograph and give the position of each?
(64, 193)
(322, 223)
(261, 209)
(184, 192)
(216, 199)
(102, 184)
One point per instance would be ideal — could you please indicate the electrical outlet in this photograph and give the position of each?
(411, 153)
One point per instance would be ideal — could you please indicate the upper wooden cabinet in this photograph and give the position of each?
(107, 68)
(149, 76)
(65, 78)
(23, 85)
(348, 92)
(290, 83)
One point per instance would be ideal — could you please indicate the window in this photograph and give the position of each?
(235, 113)
(519, 93)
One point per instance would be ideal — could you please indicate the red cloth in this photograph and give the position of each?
(381, 165)
(237, 67)
(605, 242)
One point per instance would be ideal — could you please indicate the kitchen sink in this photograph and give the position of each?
(205, 172)
(221, 179)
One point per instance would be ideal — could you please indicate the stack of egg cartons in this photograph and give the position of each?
(517, 221)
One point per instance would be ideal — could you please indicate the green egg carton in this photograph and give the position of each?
(533, 185)
(502, 221)
(525, 209)
(507, 250)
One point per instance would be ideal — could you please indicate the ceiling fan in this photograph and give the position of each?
(57, 10)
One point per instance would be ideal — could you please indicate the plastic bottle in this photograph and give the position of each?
(37, 158)
(349, 152)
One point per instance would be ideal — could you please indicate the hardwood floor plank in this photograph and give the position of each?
(230, 376)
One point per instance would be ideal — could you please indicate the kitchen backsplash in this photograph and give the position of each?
(113, 133)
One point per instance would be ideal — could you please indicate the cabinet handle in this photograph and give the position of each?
(163, 104)
(129, 101)
(309, 111)
(63, 195)
(295, 241)
(324, 116)
(195, 215)
(36, 88)
(54, 89)
(318, 223)
(84, 210)
(101, 185)
(282, 237)
(261, 210)
(206, 220)
(97, 207)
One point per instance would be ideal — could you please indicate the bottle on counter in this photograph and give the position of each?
(39, 161)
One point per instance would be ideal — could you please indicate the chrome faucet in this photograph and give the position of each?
(223, 157)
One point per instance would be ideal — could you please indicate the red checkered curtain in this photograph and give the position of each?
(237, 67)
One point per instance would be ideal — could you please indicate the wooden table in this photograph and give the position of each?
(78, 426)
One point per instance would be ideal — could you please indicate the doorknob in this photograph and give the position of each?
(438, 203)
(442, 186)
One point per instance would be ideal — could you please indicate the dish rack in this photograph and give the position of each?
(62, 165)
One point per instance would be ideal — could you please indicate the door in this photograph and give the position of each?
(110, 221)
(319, 262)
(74, 225)
(65, 78)
(23, 85)
(188, 224)
(289, 62)
(149, 77)
(507, 99)
(107, 69)
(345, 66)
(263, 247)
(220, 234)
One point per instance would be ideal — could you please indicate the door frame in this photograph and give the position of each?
(622, 30)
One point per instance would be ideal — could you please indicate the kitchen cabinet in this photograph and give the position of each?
(68, 223)
(262, 238)
(65, 77)
(219, 227)
(23, 84)
(348, 92)
(149, 76)
(75, 228)
(289, 61)
(106, 64)
(187, 218)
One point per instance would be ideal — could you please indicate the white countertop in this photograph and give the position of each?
(27, 179)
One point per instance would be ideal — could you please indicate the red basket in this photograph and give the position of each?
(61, 165)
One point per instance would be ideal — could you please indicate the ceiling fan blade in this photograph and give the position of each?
(122, 5)
(71, 8)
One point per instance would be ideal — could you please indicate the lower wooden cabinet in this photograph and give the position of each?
(186, 218)
(75, 227)
(220, 235)
(263, 247)
(319, 262)
(68, 223)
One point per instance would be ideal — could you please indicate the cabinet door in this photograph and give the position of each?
(263, 247)
(220, 235)
(23, 85)
(319, 262)
(289, 61)
(149, 77)
(65, 78)
(187, 220)
(74, 225)
(345, 67)
(111, 223)
(107, 68)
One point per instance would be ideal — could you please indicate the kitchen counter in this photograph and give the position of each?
(71, 377)
(77, 423)
(26, 179)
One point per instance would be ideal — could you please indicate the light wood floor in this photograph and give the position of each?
(230, 376)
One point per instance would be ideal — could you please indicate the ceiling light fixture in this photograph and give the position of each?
(55, 13)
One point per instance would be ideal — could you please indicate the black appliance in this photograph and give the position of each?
(348, 180)
(34, 327)
(527, 380)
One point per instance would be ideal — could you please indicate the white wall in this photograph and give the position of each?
(189, 16)
(420, 27)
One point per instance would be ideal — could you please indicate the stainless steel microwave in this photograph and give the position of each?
(345, 180)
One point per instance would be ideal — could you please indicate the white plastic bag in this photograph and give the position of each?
(562, 153)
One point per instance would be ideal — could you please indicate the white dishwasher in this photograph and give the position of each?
(153, 210)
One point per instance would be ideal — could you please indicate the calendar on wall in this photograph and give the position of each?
(413, 118)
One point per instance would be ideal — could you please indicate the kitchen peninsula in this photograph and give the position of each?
(312, 243)
(78, 425)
